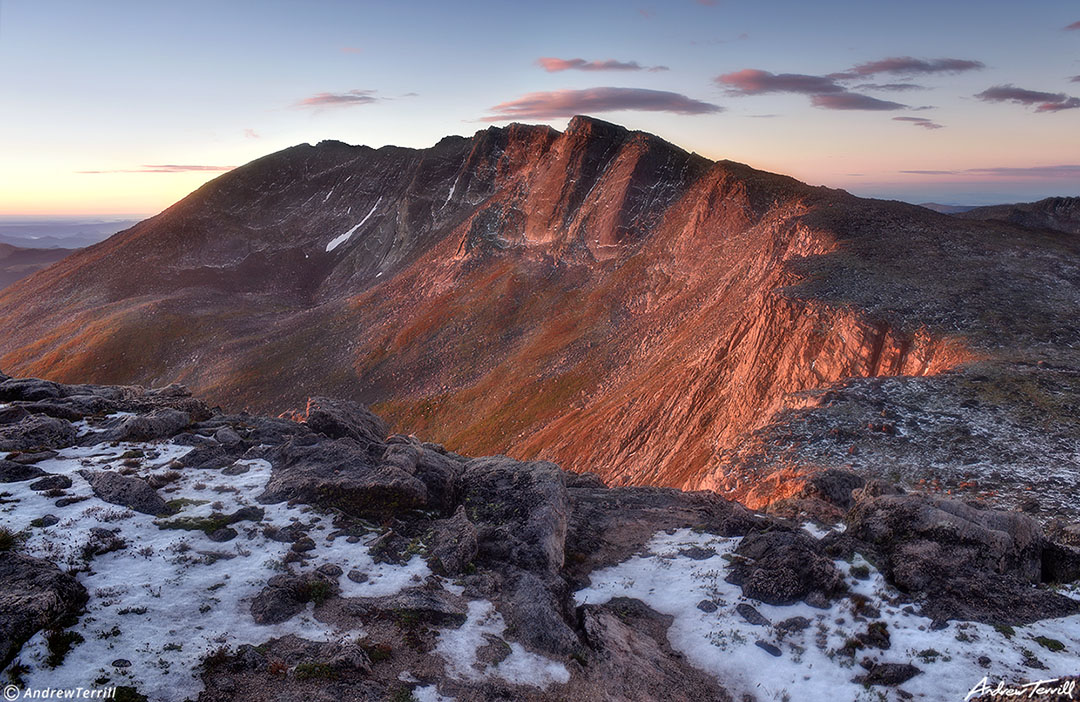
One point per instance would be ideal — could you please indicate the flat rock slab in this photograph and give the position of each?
(124, 490)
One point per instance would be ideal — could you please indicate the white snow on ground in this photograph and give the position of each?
(173, 595)
(459, 646)
(339, 240)
(812, 666)
(429, 693)
(820, 532)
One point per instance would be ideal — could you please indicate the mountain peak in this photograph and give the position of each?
(599, 297)
(584, 125)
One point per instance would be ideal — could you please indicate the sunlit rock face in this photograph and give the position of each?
(597, 297)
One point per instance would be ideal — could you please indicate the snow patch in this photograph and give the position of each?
(459, 646)
(820, 532)
(430, 693)
(339, 240)
(812, 665)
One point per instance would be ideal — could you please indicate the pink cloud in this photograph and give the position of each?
(1041, 101)
(908, 65)
(166, 168)
(751, 81)
(919, 122)
(554, 65)
(346, 99)
(567, 103)
(852, 101)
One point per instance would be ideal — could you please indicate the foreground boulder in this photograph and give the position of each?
(343, 474)
(522, 510)
(454, 544)
(964, 562)
(34, 595)
(127, 491)
(37, 432)
(159, 424)
(339, 419)
(781, 568)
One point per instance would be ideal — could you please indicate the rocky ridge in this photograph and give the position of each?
(327, 558)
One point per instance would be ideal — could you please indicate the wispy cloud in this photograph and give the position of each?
(751, 81)
(920, 122)
(1041, 101)
(554, 65)
(824, 91)
(163, 168)
(1066, 171)
(250, 133)
(1075, 79)
(567, 103)
(853, 101)
(1074, 26)
(890, 87)
(346, 99)
(909, 66)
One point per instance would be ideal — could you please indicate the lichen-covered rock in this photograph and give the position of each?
(964, 562)
(29, 390)
(286, 596)
(159, 424)
(339, 419)
(521, 511)
(631, 659)
(781, 568)
(125, 490)
(341, 474)
(537, 611)
(34, 594)
(12, 472)
(432, 607)
(454, 544)
(37, 432)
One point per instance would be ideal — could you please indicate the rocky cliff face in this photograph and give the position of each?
(596, 297)
(151, 543)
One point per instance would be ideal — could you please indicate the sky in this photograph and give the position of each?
(122, 107)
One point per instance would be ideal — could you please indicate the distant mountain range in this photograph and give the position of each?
(63, 233)
(946, 209)
(1057, 213)
(17, 263)
(597, 297)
